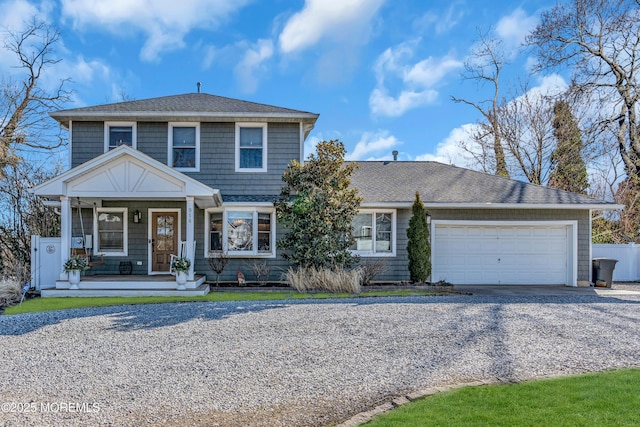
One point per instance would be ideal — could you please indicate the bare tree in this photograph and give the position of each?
(484, 66)
(599, 39)
(527, 131)
(23, 214)
(25, 103)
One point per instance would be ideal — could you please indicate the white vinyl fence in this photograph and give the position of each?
(628, 256)
(46, 264)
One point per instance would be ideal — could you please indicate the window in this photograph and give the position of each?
(251, 147)
(242, 232)
(111, 229)
(374, 233)
(119, 133)
(184, 146)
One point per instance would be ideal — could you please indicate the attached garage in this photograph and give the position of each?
(505, 252)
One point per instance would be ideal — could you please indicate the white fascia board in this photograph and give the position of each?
(249, 204)
(427, 205)
(162, 115)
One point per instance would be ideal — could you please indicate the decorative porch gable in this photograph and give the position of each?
(125, 173)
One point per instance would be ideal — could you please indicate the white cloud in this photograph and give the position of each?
(165, 22)
(382, 104)
(449, 150)
(337, 20)
(252, 62)
(372, 145)
(514, 28)
(417, 79)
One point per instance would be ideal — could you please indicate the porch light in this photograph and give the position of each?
(428, 218)
(137, 216)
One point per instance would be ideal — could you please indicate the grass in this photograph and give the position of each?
(50, 304)
(603, 399)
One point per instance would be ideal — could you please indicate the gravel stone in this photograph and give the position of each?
(293, 363)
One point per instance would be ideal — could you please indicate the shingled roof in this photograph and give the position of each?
(396, 182)
(190, 106)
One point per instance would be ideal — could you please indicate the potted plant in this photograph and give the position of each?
(181, 267)
(73, 266)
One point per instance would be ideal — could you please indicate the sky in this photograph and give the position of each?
(381, 73)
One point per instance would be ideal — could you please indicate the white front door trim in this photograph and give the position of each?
(150, 235)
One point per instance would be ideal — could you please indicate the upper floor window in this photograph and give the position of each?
(184, 146)
(119, 133)
(244, 232)
(251, 147)
(374, 232)
(111, 229)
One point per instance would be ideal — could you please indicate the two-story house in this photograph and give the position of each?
(196, 175)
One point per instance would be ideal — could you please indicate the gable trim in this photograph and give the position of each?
(126, 173)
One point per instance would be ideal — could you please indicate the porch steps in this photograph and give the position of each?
(202, 289)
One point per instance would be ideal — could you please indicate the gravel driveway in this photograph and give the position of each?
(292, 363)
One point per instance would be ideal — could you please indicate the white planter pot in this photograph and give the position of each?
(74, 279)
(181, 280)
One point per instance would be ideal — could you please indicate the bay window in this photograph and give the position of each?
(242, 232)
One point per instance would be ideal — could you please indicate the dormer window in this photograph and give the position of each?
(117, 134)
(251, 147)
(184, 146)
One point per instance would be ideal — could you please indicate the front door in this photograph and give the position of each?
(164, 239)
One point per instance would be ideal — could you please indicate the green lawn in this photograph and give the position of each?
(49, 304)
(603, 399)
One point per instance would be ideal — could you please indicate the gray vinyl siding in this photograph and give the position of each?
(217, 153)
(137, 234)
(153, 140)
(87, 141)
(217, 159)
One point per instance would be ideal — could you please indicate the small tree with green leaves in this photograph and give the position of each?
(419, 246)
(317, 207)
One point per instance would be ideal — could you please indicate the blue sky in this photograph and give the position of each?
(380, 73)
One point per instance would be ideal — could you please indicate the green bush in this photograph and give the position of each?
(419, 245)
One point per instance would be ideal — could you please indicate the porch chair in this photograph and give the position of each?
(83, 252)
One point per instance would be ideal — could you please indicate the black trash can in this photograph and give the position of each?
(603, 271)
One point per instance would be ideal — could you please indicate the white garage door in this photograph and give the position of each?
(501, 254)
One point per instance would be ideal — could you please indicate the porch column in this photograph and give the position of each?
(190, 236)
(65, 233)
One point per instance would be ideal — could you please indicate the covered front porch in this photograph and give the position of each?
(125, 208)
(128, 285)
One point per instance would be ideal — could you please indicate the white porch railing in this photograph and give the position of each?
(628, 256)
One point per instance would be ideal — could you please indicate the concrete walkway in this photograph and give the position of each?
(546, 290)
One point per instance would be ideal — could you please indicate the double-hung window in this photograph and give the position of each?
(251, 147)
(242, 232)
(374, 233)
(184, 146)
(119, 133)
(111, 229)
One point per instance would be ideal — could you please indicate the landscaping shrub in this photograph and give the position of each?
(336, 279)
(371, 269)
(10, 292)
